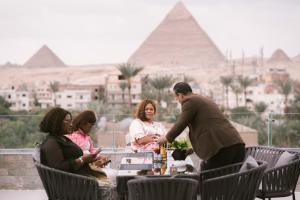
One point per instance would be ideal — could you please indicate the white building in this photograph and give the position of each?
(274, 100)
(259, 93)
(73, 99)
(45, 96)
(69, 96)
(20, 98)
(116, 95)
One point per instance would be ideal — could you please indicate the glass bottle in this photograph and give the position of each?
(163, 152)
(163, 168)
(156, 156)
(173, 170)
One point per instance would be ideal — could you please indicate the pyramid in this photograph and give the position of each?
(178, 41)
(10, 65)
(44, 57)
(279, 56)
(296, 58)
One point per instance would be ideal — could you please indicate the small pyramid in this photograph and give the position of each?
(10, 65)
(44, 57)
(178, 40)
(279, 56)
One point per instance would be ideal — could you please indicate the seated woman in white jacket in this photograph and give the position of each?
(143, 131)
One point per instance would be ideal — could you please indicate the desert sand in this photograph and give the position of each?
(95, 74)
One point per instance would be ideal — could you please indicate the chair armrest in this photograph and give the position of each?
(237, 185)
(229, 169)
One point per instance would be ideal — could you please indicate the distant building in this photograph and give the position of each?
(20, 98)
(118, 94)
(70, 96)
(73, 99)
(97, 91)
(44, 96)
(275, 74)
(273, 99)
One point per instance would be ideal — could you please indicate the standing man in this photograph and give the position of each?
(213, 137)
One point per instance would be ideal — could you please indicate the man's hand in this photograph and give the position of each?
(162, 140)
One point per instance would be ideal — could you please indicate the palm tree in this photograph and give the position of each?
(123, 86)
(260, 107)
(226, 81)
(128, 71)
(148, 92)
(236, 89)
(54, 87)
(4, 103)
(244, 82)
(160, 83)
(285, 88)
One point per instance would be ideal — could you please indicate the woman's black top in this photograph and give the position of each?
(60, 152)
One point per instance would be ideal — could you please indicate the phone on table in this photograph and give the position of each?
(106, 162)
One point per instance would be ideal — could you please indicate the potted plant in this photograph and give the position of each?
(180, 149)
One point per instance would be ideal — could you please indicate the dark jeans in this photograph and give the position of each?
(225, 156)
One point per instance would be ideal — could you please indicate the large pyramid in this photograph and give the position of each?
(178, 41)
(44, 57)
(279, 56)
(297, 58)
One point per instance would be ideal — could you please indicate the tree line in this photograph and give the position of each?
(20, 129)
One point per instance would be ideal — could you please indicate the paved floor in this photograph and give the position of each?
(23, 194)
(41, 195)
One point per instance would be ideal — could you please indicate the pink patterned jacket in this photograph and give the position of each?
(83, 140)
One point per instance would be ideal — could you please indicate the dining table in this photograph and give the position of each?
(148, 164)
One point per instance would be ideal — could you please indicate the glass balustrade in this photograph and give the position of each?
(111, 131)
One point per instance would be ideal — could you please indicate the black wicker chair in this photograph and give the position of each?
(162, 189)
(277, 181)
(68, 186)
(62, 185)
(230, 184)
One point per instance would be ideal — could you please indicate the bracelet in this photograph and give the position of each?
(81, 160)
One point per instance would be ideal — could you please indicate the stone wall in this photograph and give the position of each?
(17, 170)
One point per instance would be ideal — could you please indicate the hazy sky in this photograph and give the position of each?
(109, 31)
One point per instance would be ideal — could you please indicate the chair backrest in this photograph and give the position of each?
(162, 188)
(268, 154)
(62, 185)
(233, 186)
(281, 181)
(277, 181)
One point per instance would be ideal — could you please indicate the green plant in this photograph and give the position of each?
(181, 144)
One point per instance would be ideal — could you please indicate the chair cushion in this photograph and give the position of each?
(285, 158)
(249, 163)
